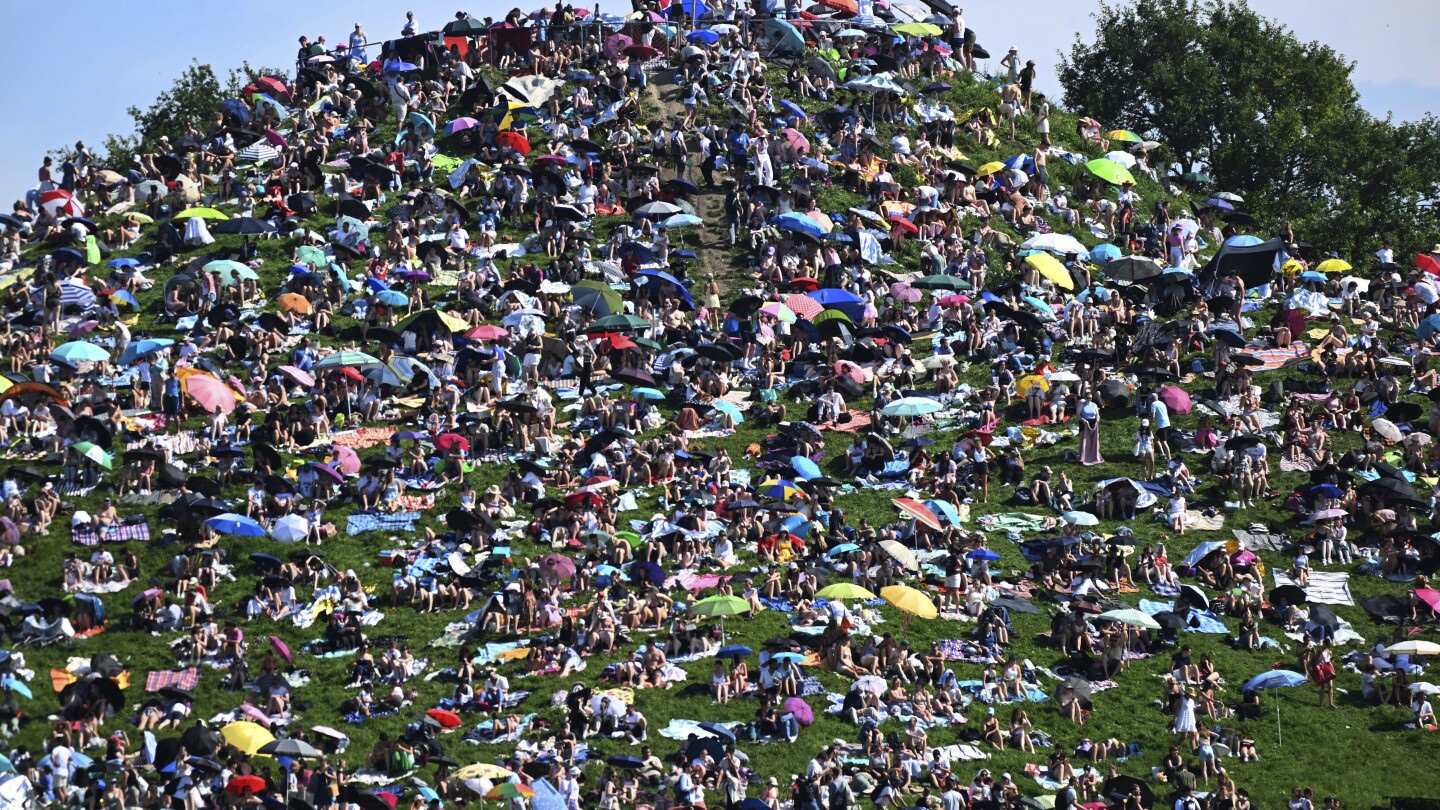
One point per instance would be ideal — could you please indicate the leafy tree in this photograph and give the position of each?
(1267, 115)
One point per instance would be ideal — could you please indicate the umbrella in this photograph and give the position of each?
(844, 590)
(906, 598)
(95, 453)
(239, 785)
(1275, 679)
(290, 528)
(1132, 617)
(247, 736)
(1110, 171)
(902, 555)
(919, 511)
(1176, 399)
(234, 524)
(911, 406)
(797, 706)
(1414, 647)
(1080, 519)
(1052, 269)
(288, 747)
(720, 607)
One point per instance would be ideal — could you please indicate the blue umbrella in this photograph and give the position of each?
(798, 525)
(706, 37)
(1428, 327)
(783, 36)
(1104, 253)
(695, 9)
(1202, 551)
(729, 408)
(843, 548)
(1328, 490)
(122, 263)
(1243, 240)
(945, 508)
(376, 284)
(798, 222)
(392, 298)
(648, 393)
(832, 297)
(143, 348)
(983, 554)
(231, 523)
(805, 468)
(794, 108)
(647, 571)
(734, 651)
(1275, 679)
(1311, 275)
(788, 657)
(399, 67)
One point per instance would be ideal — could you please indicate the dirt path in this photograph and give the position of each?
(712, 241)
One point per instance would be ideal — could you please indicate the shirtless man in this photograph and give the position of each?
(1010, 105)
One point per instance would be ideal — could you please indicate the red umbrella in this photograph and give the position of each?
(622, 342)
(981, 436)
(803, 306)
(348, 459)
(444, 718)
(596, 482)
(274, 87)
(449, 440)
(841, 5)
(904, 224)
(559, 565)
(919, 511)
(240, 784)
(515, 141)
(389, 798)
(282, 648)
(1176, 399)
(487, 332)
(347, 371)
(1428, 263)
(802, 711)
(804, 284)
(641, 52)
(578, 499)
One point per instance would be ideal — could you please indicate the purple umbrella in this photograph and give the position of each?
(327, 470)
(645, 570)
(802, 711)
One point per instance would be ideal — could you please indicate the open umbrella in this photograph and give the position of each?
(1275, 679)
(919, 511)
(906, 598)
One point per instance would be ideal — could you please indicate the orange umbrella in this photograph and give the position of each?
(294, 302)
(20, 389)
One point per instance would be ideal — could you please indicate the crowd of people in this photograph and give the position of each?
(509, 287)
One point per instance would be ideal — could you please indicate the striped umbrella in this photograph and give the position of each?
(258, 152)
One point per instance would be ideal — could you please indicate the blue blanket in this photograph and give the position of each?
(1197, 621)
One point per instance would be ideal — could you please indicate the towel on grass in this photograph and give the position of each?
(1196, 621)
(187, 679)
(135, 528)
(1326, 587)
(398, 523)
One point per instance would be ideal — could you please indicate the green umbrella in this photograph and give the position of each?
(94, 452)
(309, 254)
(831, 315)
(720, 607)
(1110, 171)
(79, 351)
(911, 406)
(650, 344)
(231, 271)
(1197, 177)
(619, 323)
(941, 282)
(597, 297)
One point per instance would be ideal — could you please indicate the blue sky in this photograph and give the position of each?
(73, 69)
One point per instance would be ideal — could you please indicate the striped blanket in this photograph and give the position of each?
(186, 679)
(1326, 587)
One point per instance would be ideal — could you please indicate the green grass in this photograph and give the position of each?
(1317, 741)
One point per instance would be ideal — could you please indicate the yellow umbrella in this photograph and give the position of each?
(483, 770)
(910, 600)
(1293, 267)
(1051, 268)
(203, 213)
(453, 323)
(1023, 386)
(247, 736)
(1333, 266)
(844, 590)
(989, 168)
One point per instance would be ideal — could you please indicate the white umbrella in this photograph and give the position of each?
(902, 555)
(1080, 519)
(1387, 430)
(1326, 514)
(290, 529)
(1132, 617)
(870, 683)
(1361, 284)
(1054, 242)
(1414, 647)
(1228, 195)
(1123, 158)
(1063, 376)
(258, 152)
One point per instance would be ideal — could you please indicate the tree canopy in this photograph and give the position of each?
(1265, 114)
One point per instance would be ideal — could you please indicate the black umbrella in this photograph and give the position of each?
(1169, 620)
(266, 453)
(1118, 787)
(176, 693)
(634, 376)
(142, 454)
(1243, 441)
(1402, 412)
(1288, 594)
(276, 485)
(1229, 337)
(1195, 597)
(1324, 616)
(1131, 268)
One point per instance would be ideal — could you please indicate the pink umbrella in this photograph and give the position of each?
(919, 511)
(559, 565)
(802, 711)
(954, 300)
(275, 138)
(209, 393)
(822, 219)
(326, 469)
(1176, 399)
(795, 140)
(847, 368)
(803, 305)
(83, 328)
(9, 531)
(902, 291)
(255, 714)
(1429, 597)
(282, 648)
(348, 460)
(615, 44)
(300, 376)
(153, 593)
(487, 332)
(558, 160)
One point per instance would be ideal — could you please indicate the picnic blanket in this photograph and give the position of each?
(398, 523)
(135, 528)
(1196, 621)
(858, 420)
(186, 679)
(1302, 464)
(74, 489)
(1260, 541)
(363, 438)
(1326, 587)
(1020, 521)
(1202, 522)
